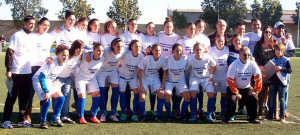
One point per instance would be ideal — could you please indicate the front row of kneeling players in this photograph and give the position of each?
(142, 73)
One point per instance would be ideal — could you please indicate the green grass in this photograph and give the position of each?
(151, 127)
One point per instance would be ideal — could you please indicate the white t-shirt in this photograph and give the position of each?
(245, 40)
(67, 37)
(201, 68)
(150, 67)
(129, 67)
(166, 42)
(111, 60)
(176, 68)
(188, 44)
(71, 65)
(106, 40)
(289, 43)
(253, 38)
(220, 56)
(202, 38)
(88, 70)
(128, 37)
(51, 71)
(242, 73)
(91, 38)
(22, 45)
(82, 35)
(148, 41)
(42, 49)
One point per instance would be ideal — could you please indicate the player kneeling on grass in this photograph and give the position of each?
(239, 78)
(279, 82)
(85, 81)
(128, 74)
(44, 86)
(149, 77)
(176, 65)
(203, 66)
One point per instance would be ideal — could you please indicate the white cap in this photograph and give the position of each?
(278, 24)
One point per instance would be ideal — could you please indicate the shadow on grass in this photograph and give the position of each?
(35, 118)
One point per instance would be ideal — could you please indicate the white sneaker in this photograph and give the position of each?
(25, 124)
(103, 118)
(114, 118)
(7, 125)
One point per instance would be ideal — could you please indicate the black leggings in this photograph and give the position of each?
(20, 89)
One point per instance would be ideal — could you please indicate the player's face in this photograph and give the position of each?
(156, 51)
(255, 26)
(79, 51)
(240, 30)
(29, 25)
(221, 26)
(191, 30)
(220, 42)
(70, 21)
(95, 26)
(177, 51)
(83, 25)
(279, 31)
(63, 56)
(112, 28)
(118, 47)
(136, 47)
(168, 28)
(44, 27)
(132, 26)
(198, 50)
(237, 41)
(200, 27)
(268, 33)
(98, 52)
(150, 29)
(278, 53)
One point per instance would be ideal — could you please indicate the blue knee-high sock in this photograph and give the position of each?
(80, 107)
(102, 100)
(128, 99)
(178, 101)
(142, 108)
(106, 97)
(184, 108)
(75, 95)
(210, 106)
(159, 107)
(152, 101)
(193, 107)
(200, 100)
(135, 103)
(95, 105)
(223, 105)
(57, 107)
(123, 102)
(168, 108)
(114, 100)
(44, 111)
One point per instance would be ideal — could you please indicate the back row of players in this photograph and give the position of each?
(96, 61)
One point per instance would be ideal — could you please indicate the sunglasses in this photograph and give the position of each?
(280, 27)
(267, 32)
(245, 55)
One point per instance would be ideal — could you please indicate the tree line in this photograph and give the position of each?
(232, 11)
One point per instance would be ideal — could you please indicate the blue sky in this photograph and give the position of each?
(153, 10)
